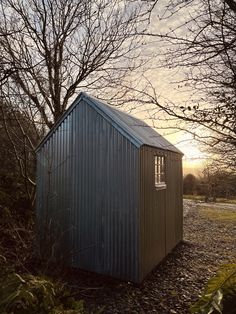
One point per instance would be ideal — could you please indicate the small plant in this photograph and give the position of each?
(220, 293)
(27, 294)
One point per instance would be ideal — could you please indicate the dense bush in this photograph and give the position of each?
(189, 184)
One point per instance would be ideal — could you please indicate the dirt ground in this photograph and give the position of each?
(209, 241)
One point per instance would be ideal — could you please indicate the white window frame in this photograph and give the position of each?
(159, 172)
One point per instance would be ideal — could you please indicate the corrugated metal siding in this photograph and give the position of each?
(53, 188)
(93, 192)
(179, 201)
(135, 130)
(138, 129)
(174, 201)
(160, 210)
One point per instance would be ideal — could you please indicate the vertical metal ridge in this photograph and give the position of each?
(160, 210)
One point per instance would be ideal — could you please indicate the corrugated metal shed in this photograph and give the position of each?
(134, 129)
(96, 191)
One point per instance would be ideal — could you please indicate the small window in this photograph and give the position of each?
(160, 172)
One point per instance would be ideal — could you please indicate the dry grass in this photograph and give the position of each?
(223, 214)
(194, 197)
(224, 200)
(202, 198)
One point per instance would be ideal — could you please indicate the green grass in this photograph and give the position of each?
(224, 215)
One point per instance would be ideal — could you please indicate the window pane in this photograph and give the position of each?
(159, 168)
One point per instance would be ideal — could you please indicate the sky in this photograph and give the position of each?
(194, 159)
(166, 84)
(163, 80)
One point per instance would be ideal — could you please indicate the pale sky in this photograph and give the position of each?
(164, 82)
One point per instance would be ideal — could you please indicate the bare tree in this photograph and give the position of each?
(57, 47)
(220, 183)
(18, 138)
(201, 40)
(52, 49)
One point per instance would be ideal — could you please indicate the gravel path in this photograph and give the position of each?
(177, 281)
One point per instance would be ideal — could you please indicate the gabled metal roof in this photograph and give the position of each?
(137, 131)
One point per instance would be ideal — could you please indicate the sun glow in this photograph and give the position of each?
(193, 159)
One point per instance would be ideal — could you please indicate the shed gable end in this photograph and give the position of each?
(94, 197)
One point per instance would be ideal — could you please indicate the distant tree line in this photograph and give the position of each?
(214, 182)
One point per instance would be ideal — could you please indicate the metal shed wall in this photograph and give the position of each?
(161, 211)
(87, 185)
(53, 205)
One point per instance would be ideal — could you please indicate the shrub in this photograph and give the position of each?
(27, 294)
(16, 238)
(220, 293)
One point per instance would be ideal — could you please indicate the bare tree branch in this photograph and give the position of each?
(204, 45)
